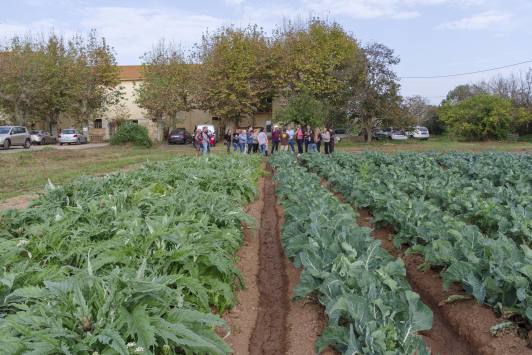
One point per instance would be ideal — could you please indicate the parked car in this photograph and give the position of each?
(341, 133)
(398, 134)
(180, 136)
(14, 135)
(419, 132)
(71, 135)
(42, 137)
(380, 134)
(214, 132)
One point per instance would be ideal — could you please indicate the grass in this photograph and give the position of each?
(436, 143)
(27, 171)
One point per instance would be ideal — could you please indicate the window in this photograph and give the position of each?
(268, 126)
(135, 121)
(215, 118)
(98, 123)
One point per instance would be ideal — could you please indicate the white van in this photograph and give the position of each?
(210, 127)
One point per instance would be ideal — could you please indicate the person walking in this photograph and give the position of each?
(242, 140)
(276, 138)
(284, 140)
(262, 141)
(312, 140)
(306, 134)
(332, 134)
(256, 141)
(227, 140)
(299, 139)
(318, 140)
(205, 140)
(291, 133)
(326, 140)
(197, 141)
(235, 136)
(249, 141)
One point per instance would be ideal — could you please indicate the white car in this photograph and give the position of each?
(419, 132)
(71, 135)
(398, 134)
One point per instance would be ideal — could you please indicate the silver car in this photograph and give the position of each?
(42, 137)
(71, 135)
(14, 135)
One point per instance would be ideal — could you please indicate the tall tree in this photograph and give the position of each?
(371, 94)
(20, 75)
(97, 78)
(239, 72)
(415, 108)
(170, 85)
(301, 108)
(313, 51)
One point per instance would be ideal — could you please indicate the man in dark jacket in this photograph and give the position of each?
(276, 138)
(306, 137)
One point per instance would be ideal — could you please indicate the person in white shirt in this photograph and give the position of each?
(291, 133)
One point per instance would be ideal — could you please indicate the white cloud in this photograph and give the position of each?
(132, 31)
(501, 35)
(476, 22)
(234, 2)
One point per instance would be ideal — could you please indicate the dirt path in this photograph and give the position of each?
(459, 328)
(18, 201)
(243, 317)
(269, 335)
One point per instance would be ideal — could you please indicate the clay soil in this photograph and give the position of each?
(265, 321)
(459, 328)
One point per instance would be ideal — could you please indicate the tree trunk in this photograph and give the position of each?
(160, 129)
(53, 124)
(368, 126)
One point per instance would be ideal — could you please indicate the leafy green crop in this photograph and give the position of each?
(432, 201)
(356, 279)
(139, 257)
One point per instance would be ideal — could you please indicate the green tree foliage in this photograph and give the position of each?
(49, 75)
(133, 133)
(432, 120)
(301, 108)
(314, 51)
(169, 85)
(238, 72)
(483, 116)
(371, 95)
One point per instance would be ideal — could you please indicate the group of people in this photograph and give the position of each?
(252, 140)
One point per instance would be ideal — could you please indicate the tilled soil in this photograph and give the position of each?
(459, 328)
(243, 317)
(269, 335)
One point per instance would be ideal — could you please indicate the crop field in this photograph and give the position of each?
(404, 254)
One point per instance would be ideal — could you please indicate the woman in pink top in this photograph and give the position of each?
(299, 139)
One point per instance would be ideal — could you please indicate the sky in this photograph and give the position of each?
(432, 37)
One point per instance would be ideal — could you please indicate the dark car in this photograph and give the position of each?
(380, 134)
(180, 136)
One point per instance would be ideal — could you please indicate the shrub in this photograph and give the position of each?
(133, 133)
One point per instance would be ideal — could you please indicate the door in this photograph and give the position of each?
(18, 137)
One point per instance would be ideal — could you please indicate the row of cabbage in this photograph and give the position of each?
(356, 280)
(130, 263)
(492, 268)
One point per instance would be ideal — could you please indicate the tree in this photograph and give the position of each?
(20, 75)
(45, 76)
(239, 74)
(415, 108)
(432, 120)
(301, 108)
(462, 92)
(313, 51)
(97, 78)
(170, 84)
(371, 94)
(483, 116)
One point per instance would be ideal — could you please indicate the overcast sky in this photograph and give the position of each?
(432, 37)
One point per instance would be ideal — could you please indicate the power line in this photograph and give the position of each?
(474, 72)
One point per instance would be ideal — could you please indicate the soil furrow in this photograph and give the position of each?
(269, 335)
